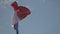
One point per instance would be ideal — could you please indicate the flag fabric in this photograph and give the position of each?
(16, 28)
(15, 21)
(20, 12)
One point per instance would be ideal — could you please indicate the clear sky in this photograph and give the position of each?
(44, 17)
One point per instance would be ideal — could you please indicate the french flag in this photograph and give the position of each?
(20, 12)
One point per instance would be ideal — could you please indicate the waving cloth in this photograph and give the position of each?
(21, 11)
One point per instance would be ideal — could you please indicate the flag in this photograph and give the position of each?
(16, 28)
(21, 12)
(15, 21)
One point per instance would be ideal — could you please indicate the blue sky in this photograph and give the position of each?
(44, 17)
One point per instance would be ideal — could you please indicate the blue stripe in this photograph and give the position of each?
(16, 27)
